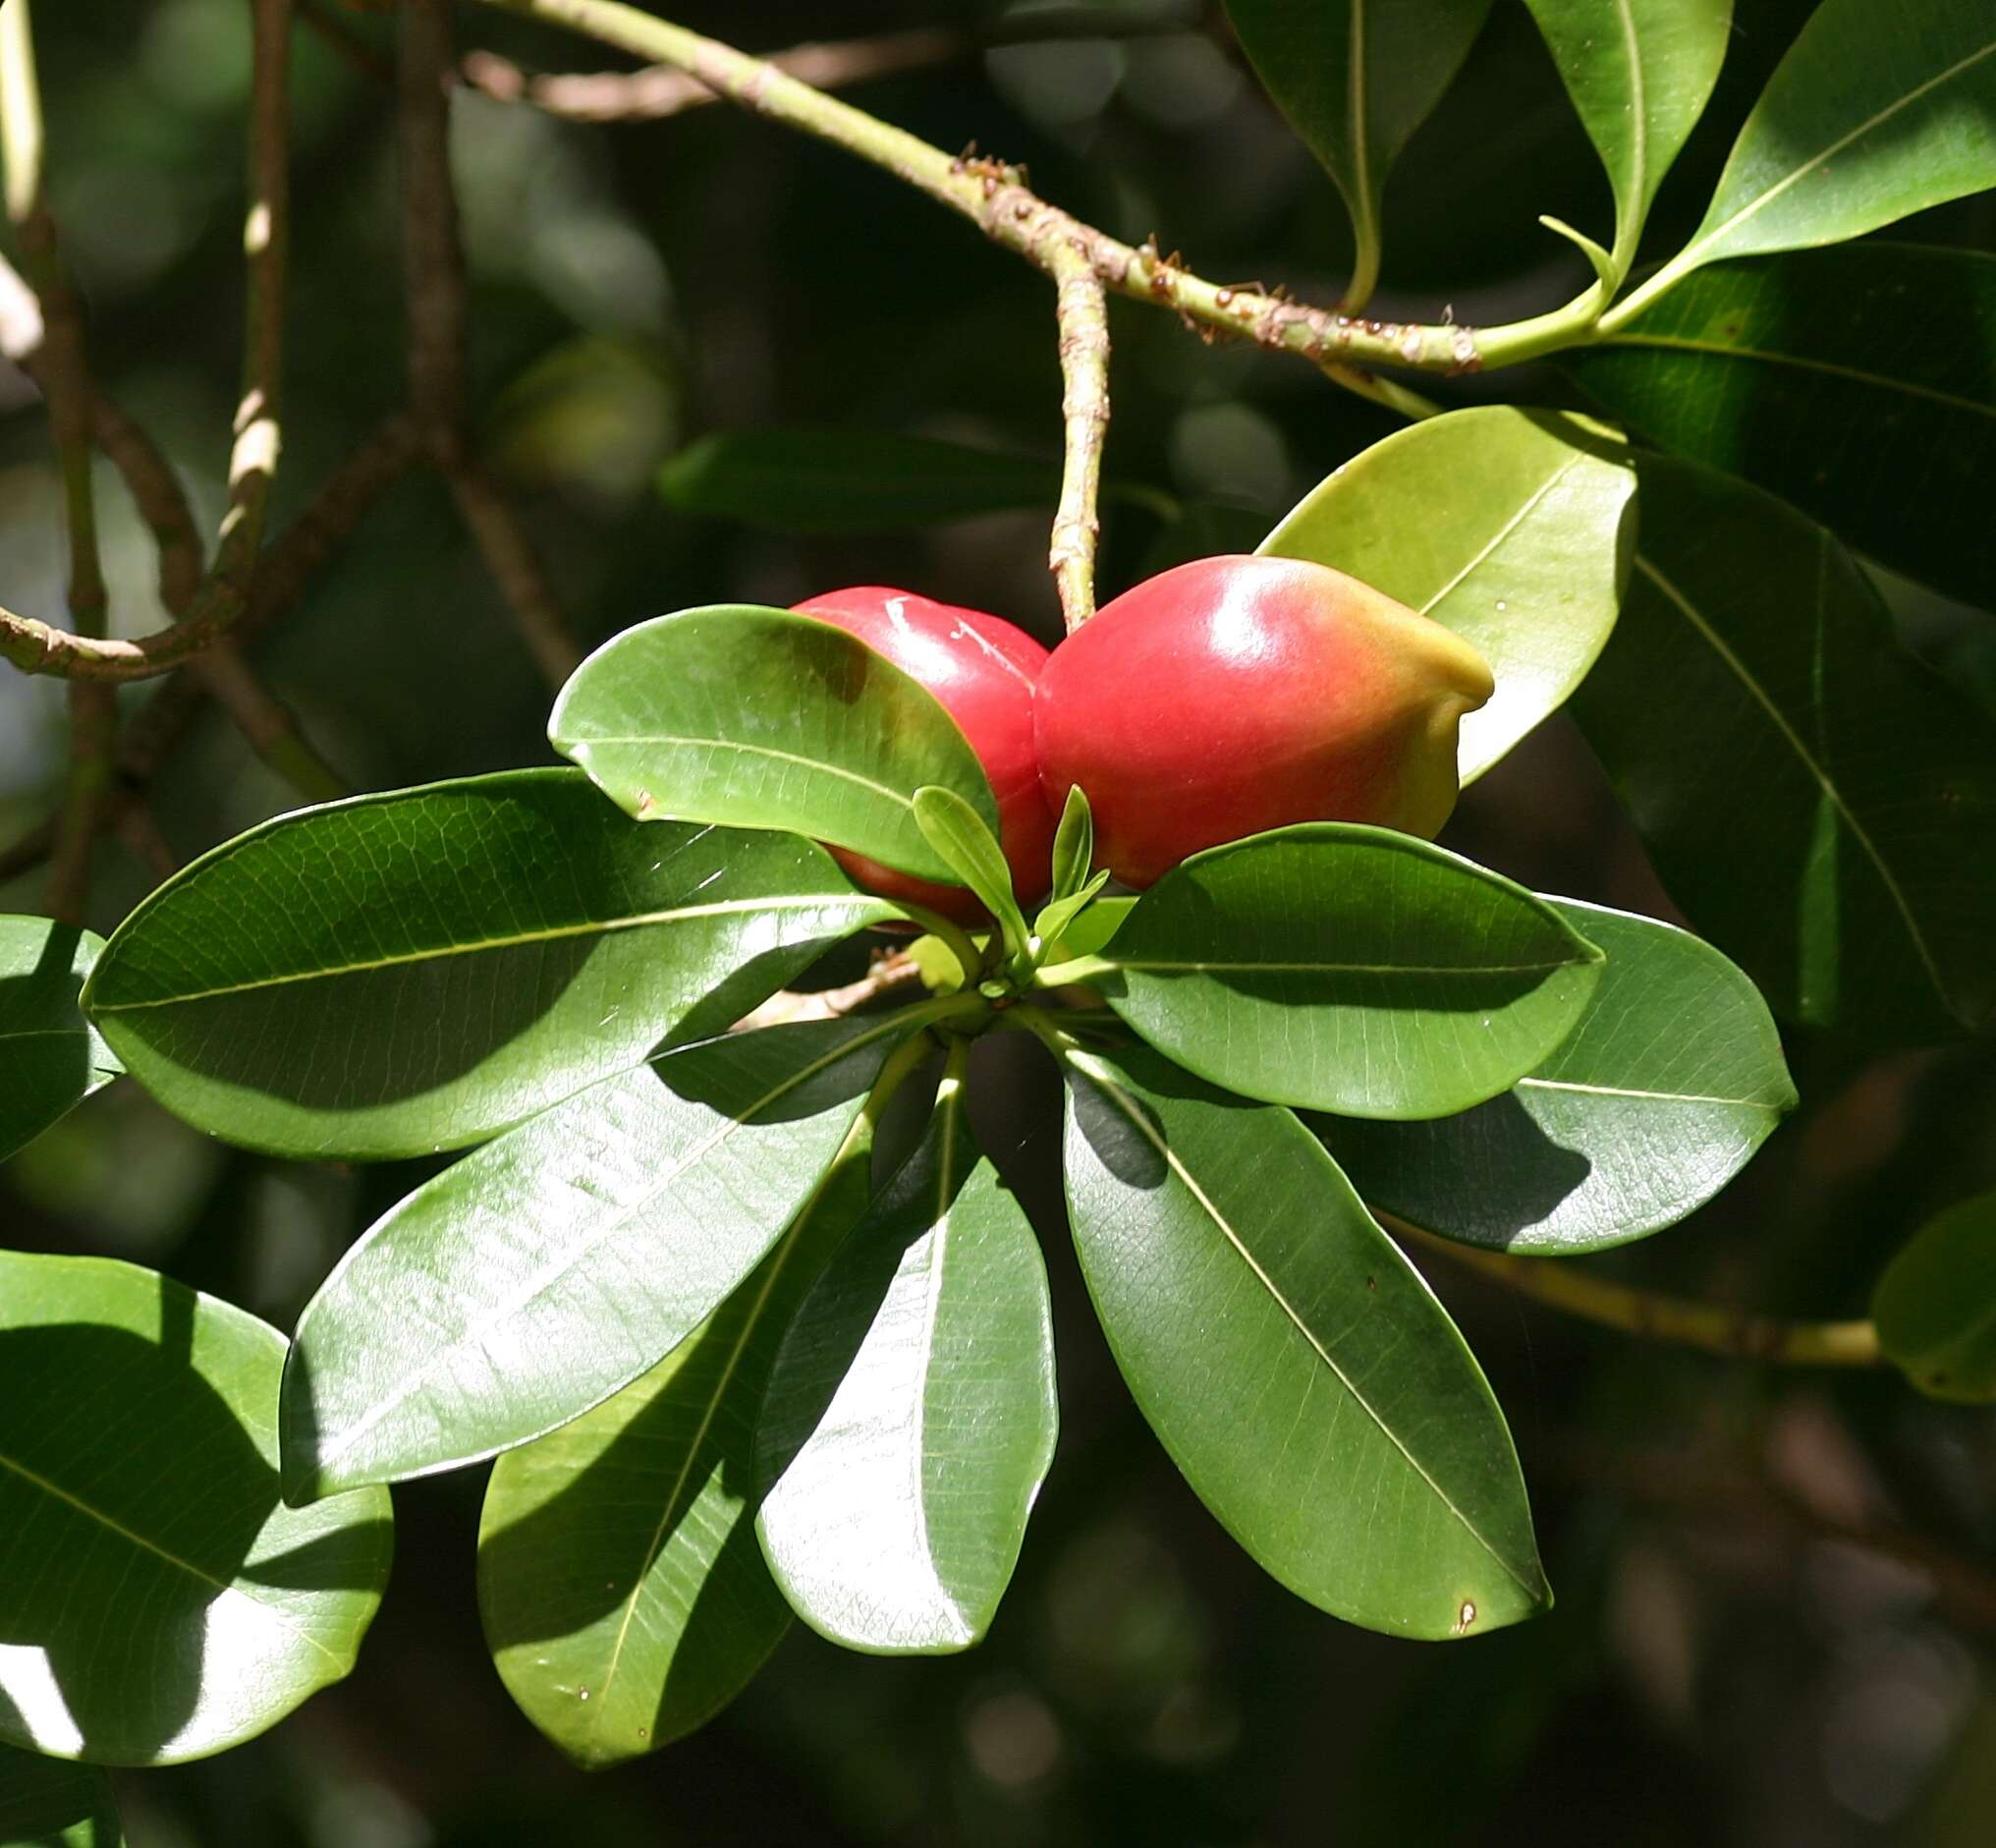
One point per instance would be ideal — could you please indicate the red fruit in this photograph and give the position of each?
(1232, 694)
(982, 671)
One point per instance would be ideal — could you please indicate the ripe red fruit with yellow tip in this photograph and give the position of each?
(1232, 694)
(982, 671)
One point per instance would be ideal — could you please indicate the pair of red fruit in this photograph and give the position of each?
(1219, 699)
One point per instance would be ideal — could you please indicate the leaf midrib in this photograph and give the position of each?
(753, 750)
(1821, 776)
(1649, 1097)
(1689, 254)
(1147, 966)
(1130, 1108)
(476, 946)
(222, 1588)
(550, 1274)
(1879, 380)
(669, 1514)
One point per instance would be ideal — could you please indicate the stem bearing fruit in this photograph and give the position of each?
(1233, 694)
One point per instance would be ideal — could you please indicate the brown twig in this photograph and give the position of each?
(1083, 311)
(60, 365)
(889, 973)
(660, 89)
(267, 247)
(161, 502)
(302, 549)
(433, 268)
(343, 38)
(515, 570)
(1563, 1283)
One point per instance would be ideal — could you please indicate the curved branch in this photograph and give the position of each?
(996, 198)
(1083, 314)
(1738, 1334)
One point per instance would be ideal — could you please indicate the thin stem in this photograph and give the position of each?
(267, 245)
(60, 365)
(515, 569)
(433, 269)
(995, 198)
(1081, 969)
(661, 91)
(1559, 1283)
(889, 974)
(969, 959)
(1083, 311)
(161, 502)
(38, 649)
(347, 42)
(432, 261)
(268, 724)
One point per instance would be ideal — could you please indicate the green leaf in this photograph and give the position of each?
(1672, 1080)
(541, 1273)
(1641, 73)
(849, 480)
(1858, 382)
(911, 1414)
(763, 719)
(1088, 932)
(1820, 803)
(1350, 969)
(50, 1057)
(1315, 1395)
(51, 1803)
(1056, 921)
(958, 833)
(1935, 1306)
(413, 972)
(1074, 845)
(625, 1600)
(158, 1599)
(1516, 528)
(1876, 112)
(1356, 77)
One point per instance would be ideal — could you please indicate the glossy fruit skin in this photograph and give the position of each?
(983, 672)
(1237, 694)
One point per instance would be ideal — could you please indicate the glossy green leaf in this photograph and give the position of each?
(1935, 1306)
(849, 480)
(1876, 112)
(1301, 1375)
(1056, 921)
(1672, 1080)
(763, 719)
(52, 1803)
(1348, 968)
(411, 971)
(1641, 73)
(552, 1268)
(958, 833)
(1516, 528)
(1356, 77)
(1858, 382)
(1074, 845)
(159, 1601)
(50, 1057)
(1820, 803)
(624, 1595)
(910, 1415)
(1088, 932)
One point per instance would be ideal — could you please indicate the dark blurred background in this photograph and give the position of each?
(1776, 1591)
